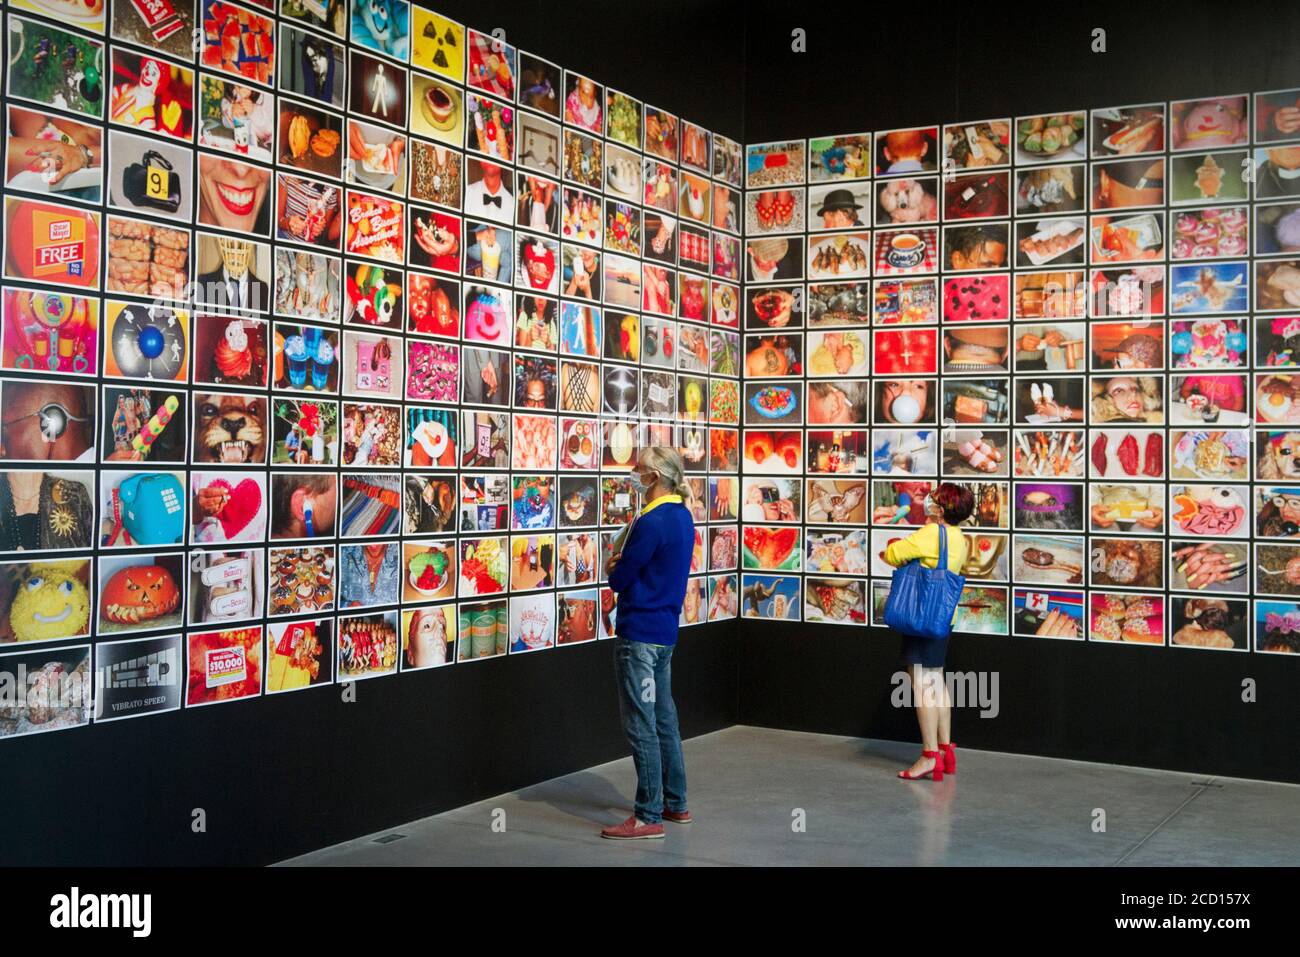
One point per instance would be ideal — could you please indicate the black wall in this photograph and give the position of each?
(1174, 708)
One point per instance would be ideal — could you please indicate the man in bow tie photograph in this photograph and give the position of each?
(487, 196)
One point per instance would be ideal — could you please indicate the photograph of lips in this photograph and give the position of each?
(235, 196)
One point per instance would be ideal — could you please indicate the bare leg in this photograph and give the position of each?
(927, 714)
(945, 714)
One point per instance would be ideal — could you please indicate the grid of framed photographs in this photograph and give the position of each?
(1090, 317)
(331, 334)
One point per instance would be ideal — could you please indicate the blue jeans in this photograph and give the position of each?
(645, 700)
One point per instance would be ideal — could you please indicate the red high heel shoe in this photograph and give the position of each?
(935, 773)
(949, 758)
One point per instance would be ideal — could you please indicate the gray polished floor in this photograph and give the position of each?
(780, 797)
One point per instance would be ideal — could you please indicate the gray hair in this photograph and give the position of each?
(666, 462)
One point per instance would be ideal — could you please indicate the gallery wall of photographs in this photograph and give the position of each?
(331, 332)
(1090, 318)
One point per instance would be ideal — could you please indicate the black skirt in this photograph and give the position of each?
(926, 652)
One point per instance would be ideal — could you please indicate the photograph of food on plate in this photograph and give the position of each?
(1128, 184)
(1214, 623)
(1277, 285)
(1131, 618)
(1057, 453)
(1210, 511)
(1043, 401)
(907, 151)
(1052, 506)
(1211, 176)
(907, 251)
(973, 401)
(1222, 567)
(895, 352)
(1135, 291)
(1048, 560)
(1124, 398)
(977, 195)
(1137, 509)
(975, 349)
(1051, 189)
(977, 145)
(1128, 345)
(976, 247)
(839, 256)
(778, 404)
(1051, 295)
(898, 302)
(428, 570)
(839, 206)
(1051, 137)
(837, 402)
(1047, 614)
(1046, 242)
(975, 452)
(1218, 455)
(905, 201)
(1126, 453)
(1126, 563)
(1277, 396)
(842, 452)
(837, 354)
(623, 120)
(903, 451)
(1128, 130)
(835, 158)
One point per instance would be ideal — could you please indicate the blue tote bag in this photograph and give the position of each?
(922, 600)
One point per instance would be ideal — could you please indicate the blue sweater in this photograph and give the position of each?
(650, 578)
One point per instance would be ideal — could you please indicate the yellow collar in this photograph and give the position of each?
(660, 501)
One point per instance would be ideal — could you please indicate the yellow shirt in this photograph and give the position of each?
(924, 544)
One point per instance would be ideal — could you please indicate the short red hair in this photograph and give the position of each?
(957, 502)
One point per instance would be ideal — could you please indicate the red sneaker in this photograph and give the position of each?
(678, 817)
(633, 830)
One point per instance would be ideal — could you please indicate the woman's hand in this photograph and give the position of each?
(1058, 625)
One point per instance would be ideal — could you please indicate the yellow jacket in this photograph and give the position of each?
(924, 544)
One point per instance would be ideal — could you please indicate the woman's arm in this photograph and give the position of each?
(916, 545)
(637, 552)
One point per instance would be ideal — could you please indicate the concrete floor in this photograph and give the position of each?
(745, 785)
